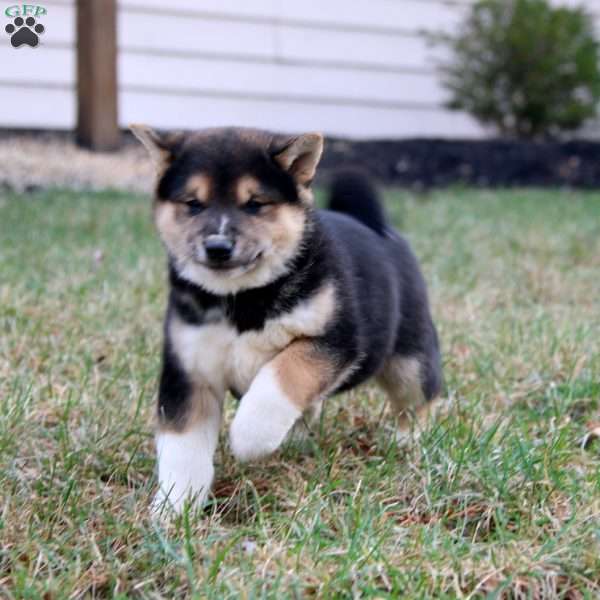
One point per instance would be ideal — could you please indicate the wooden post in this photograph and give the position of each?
(97, 120)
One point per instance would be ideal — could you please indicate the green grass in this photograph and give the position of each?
(497, 498)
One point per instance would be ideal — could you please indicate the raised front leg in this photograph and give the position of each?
(189, 415)
(295, 380)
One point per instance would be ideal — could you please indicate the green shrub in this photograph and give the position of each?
(526, 67)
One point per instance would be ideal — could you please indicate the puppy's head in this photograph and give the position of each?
(231, 204)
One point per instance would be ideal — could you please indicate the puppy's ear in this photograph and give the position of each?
(162, 147)
(300, 156)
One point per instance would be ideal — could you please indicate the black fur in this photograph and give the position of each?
(353, 193)
(385, 310)
(226, 157)
(174, 389)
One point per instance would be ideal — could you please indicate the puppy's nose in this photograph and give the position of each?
(218, 248)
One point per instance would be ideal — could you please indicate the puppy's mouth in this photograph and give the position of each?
(232, 264)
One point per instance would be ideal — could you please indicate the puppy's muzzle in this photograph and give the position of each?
(218, 248)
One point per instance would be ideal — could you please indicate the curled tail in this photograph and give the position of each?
(353, 194)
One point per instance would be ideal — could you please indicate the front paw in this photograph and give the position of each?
(174, 495)
(263, 420)
(185, 472)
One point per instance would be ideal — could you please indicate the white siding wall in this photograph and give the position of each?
(358, 68)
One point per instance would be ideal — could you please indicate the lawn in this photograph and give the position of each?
(499, 497)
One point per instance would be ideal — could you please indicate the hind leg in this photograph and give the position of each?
(407, 383)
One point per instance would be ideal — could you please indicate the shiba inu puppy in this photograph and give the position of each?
(275, 301)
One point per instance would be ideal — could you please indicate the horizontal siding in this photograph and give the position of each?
(275, 64)
(282, 42)
(197, 75)
(191, 75)
(360, 15)
(37, 107)
(353, 121)
(37, 84)
(56, 68)
(360, 69)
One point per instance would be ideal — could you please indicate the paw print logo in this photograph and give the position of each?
(24, 31)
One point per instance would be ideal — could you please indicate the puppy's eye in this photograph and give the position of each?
(195, 207)
(253, 206)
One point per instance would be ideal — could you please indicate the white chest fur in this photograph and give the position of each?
(226, 359)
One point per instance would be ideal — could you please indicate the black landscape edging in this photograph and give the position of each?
(427, 163)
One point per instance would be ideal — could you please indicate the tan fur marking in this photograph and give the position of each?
(159, 146)
(286, 226)
(302, 156)
(199, 186)
(172, 224)
(246, 187)
(303, 373)
(416, 420)
(201, 405)
(305, 194)
(401, 379)
(151, 140)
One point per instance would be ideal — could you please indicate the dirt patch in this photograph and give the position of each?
(34, 160)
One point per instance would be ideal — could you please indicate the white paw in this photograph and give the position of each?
(175, 492)
(185, 469)
(263, 420)
(174, 499)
